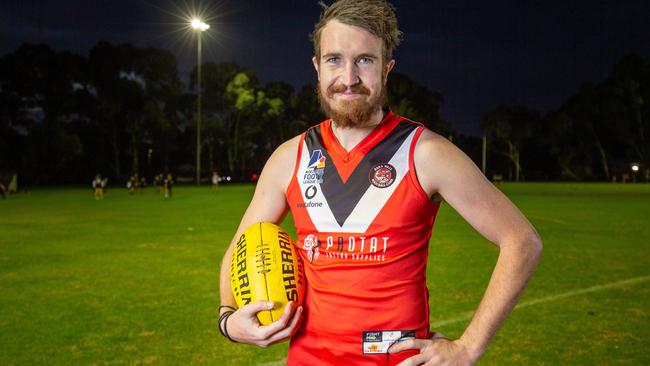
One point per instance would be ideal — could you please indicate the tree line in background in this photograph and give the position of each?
(599, 133)
(124, 109)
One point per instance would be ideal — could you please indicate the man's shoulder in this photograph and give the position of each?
(431, 142)
(278, 169)
(285, 155)
(436, 158)
(289, 146)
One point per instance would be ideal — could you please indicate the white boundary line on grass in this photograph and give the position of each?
(281, 362)
(467, 316)
(629, 281)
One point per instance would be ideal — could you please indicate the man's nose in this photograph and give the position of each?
(350, 74)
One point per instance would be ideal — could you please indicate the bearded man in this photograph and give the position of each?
(360, 191)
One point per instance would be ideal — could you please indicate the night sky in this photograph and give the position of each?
(478, 54)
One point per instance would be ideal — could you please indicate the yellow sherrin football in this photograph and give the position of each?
(266, 267)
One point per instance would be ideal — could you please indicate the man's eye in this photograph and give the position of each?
(332, 60)
(365, 60)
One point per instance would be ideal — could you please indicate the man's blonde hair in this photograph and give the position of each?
(375, 16)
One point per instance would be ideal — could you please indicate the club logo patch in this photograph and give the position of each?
(315, 168)
(382, 175)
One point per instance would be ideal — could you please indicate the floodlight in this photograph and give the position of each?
(199, 25)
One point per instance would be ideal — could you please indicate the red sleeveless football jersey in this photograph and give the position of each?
(364, 224)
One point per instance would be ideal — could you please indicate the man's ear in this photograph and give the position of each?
(315, 62)
(387, 70)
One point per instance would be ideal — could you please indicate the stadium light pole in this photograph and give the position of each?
(199, 26)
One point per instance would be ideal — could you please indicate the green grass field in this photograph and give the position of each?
(133, 280)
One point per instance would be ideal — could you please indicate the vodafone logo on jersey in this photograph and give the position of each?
(382, 175)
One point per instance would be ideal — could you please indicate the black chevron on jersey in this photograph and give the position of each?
(342, 197)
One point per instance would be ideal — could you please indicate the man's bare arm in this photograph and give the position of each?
(444, 169)
(268, 205)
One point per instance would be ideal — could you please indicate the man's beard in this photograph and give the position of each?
(351, 113)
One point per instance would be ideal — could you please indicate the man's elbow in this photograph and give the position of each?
(525, 246)
(533, 247)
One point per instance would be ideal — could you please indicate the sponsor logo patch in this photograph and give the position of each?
(310, 192)
(317, 160)
(346, 248)
(382, 175)
(315, 168)
(378, 341)
(372, 336)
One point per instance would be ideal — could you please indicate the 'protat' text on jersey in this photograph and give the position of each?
(359, 247)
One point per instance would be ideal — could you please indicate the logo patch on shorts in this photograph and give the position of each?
(382, 175)
(378, 341)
